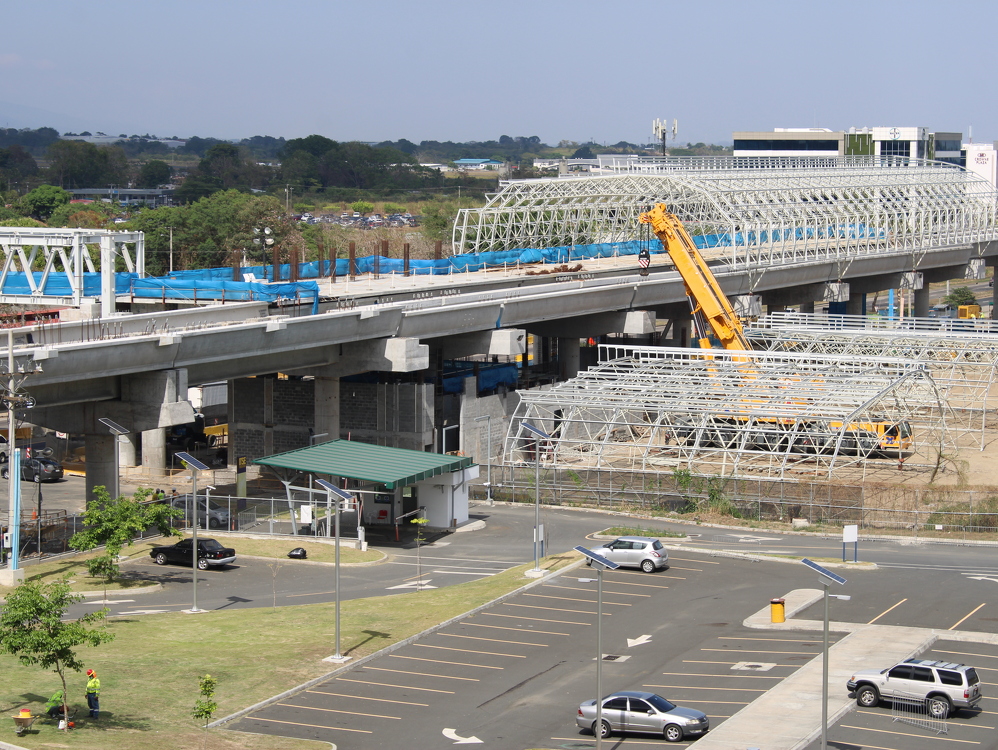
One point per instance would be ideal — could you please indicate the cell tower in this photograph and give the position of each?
(661, 131)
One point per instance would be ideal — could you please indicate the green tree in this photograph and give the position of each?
(153, 174)
(362, 207)
(77, 164)
(43, 200)
(437, 220)
(205, 706)
(34, 628)
(962, 295)
(114, 522)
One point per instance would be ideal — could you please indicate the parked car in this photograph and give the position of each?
(218, 517)
(943, 687)
(36, 470)
(647, 713)
(635, 552)
(210, 553)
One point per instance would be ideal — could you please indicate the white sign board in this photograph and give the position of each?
(850, 534)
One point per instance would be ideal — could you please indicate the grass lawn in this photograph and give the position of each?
(149, 673)
(638, 531)
(75, 566)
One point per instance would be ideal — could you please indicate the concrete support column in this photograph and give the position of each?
(154, 449)
(327, 408)
(568, 358)
(682, 332)
(920, 303)
(101, 469)
(127, 450)
(856, 304)
(807, 308)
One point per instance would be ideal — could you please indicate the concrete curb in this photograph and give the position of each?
(384, 557)
(394, 647)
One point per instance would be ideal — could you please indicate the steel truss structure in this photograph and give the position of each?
(962, 364)
(737, 414)
(751, 216)
(65, 254)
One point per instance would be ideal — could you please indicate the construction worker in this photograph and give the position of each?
(54, 706)
(93, 693)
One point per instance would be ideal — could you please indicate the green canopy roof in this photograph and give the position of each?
(392, 467)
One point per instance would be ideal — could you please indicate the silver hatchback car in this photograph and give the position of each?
(635, 552)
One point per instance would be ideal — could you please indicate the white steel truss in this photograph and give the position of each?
(753, 216)
(737, 414)
(66, 254)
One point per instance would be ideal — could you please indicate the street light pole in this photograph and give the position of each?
(539, 435)
(826, 577)
(195, 466)
(600, 563)
(488, 446)
(341, 495)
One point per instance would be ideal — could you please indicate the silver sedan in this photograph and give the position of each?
(647, 713)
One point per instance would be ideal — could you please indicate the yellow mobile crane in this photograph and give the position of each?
(713, 313)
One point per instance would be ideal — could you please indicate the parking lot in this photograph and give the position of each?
(887, 728)
(511, 675)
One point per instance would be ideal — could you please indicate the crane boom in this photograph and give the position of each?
(712, 313)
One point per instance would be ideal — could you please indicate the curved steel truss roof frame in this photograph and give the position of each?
(755, 217)
(764, 414)
(961, 364)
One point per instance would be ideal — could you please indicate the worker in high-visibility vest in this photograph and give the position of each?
(93, 693)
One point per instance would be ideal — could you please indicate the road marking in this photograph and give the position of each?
(965, 653)
(698, 562)
(778, 640)
(464, 573)
(642, 585)
(886, 611)
(729, 663)
(556, 609)
(691, 687)
(459, 740)
(725, 676)
(518, 630)
(640, 640)
(492, 640)
(470, 651)
(586, 588)
(363, 698)
(338, 711)
(423, 674)
(140, 612)
(982, 578)
(534, 619)
(387, 684)
(418, 585)
(441, 661)
(960, 622)
(316, 726)
(760, 651)
(903, 734)
(881, 714)
(317, 593)
(574, 599)
(109, 601)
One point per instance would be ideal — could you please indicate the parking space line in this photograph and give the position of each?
(960, 622)
(254, 717)
(778, 640)
(337, 711)
(423, 674)
(886, 611)
(885, 716)
(692, 687)
(388, 684)
(725, 676)
(364, 698)
(760, 651)
(493, 640)
(441, 661)
(965, 653)
(586, 588)
(618, 741)
(292, 596)
(630, 583)
(698, 562)
(575, 599)
(518, 630)
(463, 573)
(536, 619)
(915, 736)
(469, 651)
(556, 609)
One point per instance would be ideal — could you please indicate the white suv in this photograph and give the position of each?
(943, 687)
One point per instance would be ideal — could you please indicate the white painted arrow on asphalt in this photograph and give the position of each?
(983, 578)
(144, 612)
(414, 585)
(638, 641)
(459, 740)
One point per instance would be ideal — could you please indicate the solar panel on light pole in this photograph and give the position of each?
(341, 495)
(195, 465)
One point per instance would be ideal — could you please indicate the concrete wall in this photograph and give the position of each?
(396, 415)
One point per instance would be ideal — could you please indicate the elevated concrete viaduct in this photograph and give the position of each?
(136, 369)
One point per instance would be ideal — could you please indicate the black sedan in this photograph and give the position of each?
(210, 553)
(36, 470)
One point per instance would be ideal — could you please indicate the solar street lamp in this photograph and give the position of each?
(341, 497)
(539, 435)
(195, 466)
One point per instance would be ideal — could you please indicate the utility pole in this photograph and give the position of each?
(171, 248)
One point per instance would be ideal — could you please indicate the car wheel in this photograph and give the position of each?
(202, 564)
(647, 566)
(36, 478)
(161, 559)
(213, 523)
(867, 696)
(938, 707)
(4, 473)
(672, 733)
(606, 729)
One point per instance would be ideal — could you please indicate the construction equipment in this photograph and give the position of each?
(714, 315)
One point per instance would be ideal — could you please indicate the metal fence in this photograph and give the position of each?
(912, 709)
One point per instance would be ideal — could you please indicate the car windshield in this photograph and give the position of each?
(211, 544)
(661, 703)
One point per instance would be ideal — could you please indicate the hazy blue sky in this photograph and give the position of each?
(469, 70)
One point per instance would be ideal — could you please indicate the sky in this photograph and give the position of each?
(466, 70)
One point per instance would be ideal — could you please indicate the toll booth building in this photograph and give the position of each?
(391, 485)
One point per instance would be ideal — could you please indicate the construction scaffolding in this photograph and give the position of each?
(737, 414)
(962, 364)
(748, 215)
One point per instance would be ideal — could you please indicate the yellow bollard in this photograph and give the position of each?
(777, 610)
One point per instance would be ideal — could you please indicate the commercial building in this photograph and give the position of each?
(909, 142)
